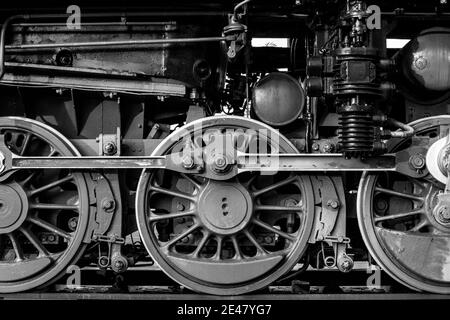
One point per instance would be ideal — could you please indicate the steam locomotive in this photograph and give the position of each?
(229, 143)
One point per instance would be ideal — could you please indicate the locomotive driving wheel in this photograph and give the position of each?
(224, 237)
(399, 222)
(43, 213)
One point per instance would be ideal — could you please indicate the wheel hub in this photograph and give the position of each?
(441, 212)
(225, 208)
(437, 159)
(13, 207)
(444, 215)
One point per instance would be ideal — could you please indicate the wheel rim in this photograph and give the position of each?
(231, 241)
(43, 214)
(398, 224)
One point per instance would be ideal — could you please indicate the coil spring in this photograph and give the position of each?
(356, 134)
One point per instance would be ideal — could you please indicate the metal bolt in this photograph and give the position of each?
(290, 203)
(328, 147)
(51, 238)
(420, 63)
(220, 164)
(346, 264)
(315, 146)
(103, 262)
(180, 206)
(119, 265)
(333, 204)
(187, 162)
(417, 161)
(110, 148)
(108, 204)
(185, 240)
(381, 205)
(73, 223)
(268, 239)
(444, 214)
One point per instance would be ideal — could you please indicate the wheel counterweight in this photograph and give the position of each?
(224, 237)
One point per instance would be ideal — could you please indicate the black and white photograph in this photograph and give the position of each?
(225, 159)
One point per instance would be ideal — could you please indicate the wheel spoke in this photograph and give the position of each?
(237, 249)
(248, 183)
(35, 242)
(172, 193)
(53, 206)
(274, 230)
(51, 185)
(25, 144)
(173, 215)
(16, 246)
(398, 215)
(53, 152)
(422, 224)
(191, 180)
(255, 242)
(277, 208)
(181, 236)
(421, 185)
(218, 253)
(201, 244)
(28, 179)
(274, 186)
(45, 225)
(398, 194)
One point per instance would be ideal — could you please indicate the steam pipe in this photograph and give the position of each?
(115, 43)
(408, 131)
(3, 36)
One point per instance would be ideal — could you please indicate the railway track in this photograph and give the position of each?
(108, 286)
(197, 297)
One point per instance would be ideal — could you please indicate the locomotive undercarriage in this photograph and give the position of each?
(110, 160)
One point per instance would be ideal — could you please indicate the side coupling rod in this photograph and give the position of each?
(201, 165)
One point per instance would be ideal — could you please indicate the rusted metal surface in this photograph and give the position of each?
(426, 255)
